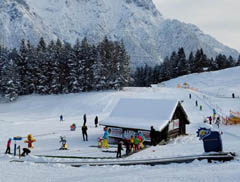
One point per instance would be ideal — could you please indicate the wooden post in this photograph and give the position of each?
(19, 151)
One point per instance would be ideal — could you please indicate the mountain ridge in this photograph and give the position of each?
(148, 37)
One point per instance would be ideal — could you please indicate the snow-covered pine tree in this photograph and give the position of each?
(238, 61)
(221, 61)
(43, 67)
(190, 63)
(77, 76)
(172, 65)
(3, 61)
(105, 52)
(182, 62)
(66, 57)
(72, 78)
(10, 82)
(22, 68)
(230, 62)
(31, 69)
(56, 70)
(91, 68)
(123, 74)
(200, 61)
(85, 64)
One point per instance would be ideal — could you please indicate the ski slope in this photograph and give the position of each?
(39, 116)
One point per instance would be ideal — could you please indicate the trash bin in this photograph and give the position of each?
(213, 142)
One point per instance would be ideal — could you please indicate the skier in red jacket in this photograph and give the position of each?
(8, 150)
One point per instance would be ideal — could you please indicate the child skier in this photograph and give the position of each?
(119, 149)
(136, 144)
(131, 143)
(8, 150)
(127, 143)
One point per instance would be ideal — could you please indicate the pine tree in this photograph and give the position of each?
(123, 69)
(182, 63)
(106, 64)
(172, 65)
(238, 61)
(56, 69)
(85, 65)
(191, 63)
(10, 82)
(22, 68)
(77, 75)
(230, 62)
(139, 77)
(3, 61)
(221, 61)
(200, 61)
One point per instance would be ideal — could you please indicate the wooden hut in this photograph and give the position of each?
(133, 115)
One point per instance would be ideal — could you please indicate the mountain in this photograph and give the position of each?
(148, 37)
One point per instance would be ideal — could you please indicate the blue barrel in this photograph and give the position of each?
(213, 142)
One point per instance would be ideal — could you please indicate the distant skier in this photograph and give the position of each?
(196, 103)
(96, 121)
(8, 150)
(119, 149)
(61, 118)
(63, 140)
(84, 132)
(190, 96)
(200, 107)
(233, 95)
(127, 144)
(210, 119)
(217, 121)
(153, 136)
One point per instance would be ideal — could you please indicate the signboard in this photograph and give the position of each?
(146, 134)
(115, 132)
(174, 124)
(128, 133)
(17, 138)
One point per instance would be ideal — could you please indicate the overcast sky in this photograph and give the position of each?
(219, 18)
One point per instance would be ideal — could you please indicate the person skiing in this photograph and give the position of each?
(153, 136)
(61, 118)
(96, 121)
(217, 121)
(210, 119)
(84, 132)
(131, 143)
(200, 107)
(8, 150)
(119, 149)
(190, 96)
(196, 103)
(26, 151)
(136, 144)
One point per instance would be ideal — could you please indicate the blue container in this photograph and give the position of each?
(213, 142)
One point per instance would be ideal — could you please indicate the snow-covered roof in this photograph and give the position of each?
(141, 113)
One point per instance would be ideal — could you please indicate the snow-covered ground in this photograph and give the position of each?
(39, 115)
